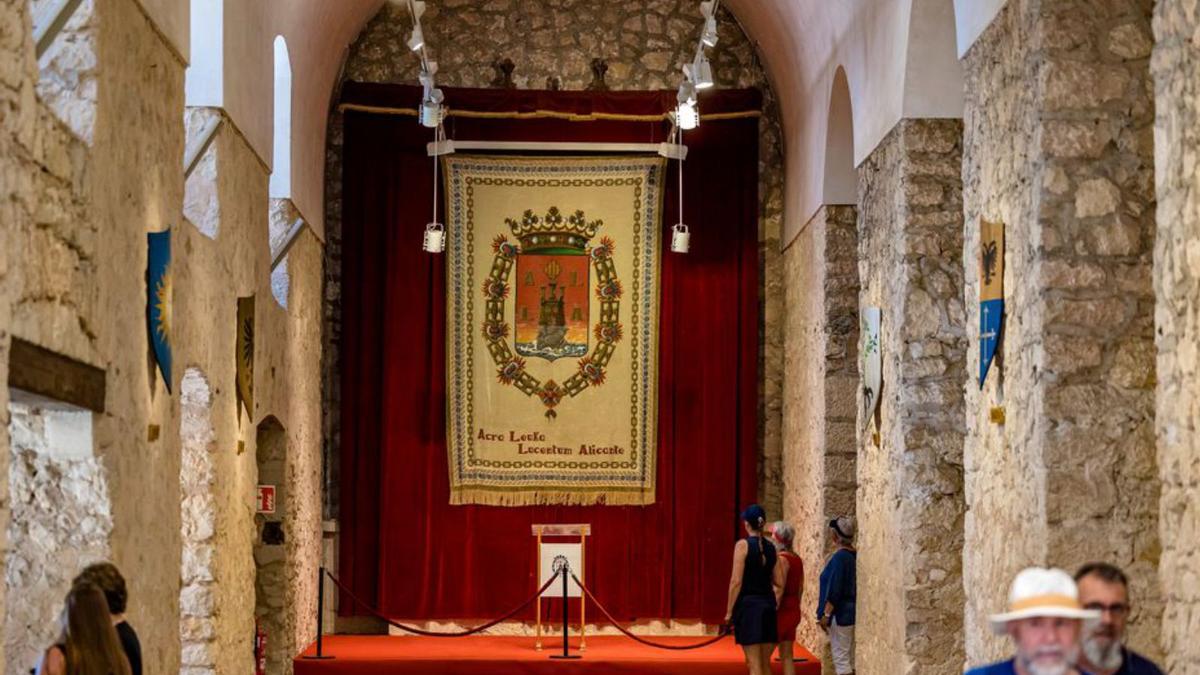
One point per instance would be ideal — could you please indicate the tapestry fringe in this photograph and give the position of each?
(485, 497)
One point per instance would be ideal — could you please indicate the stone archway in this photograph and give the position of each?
(271, 550)
(197, 597)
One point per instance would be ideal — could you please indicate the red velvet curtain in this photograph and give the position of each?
(403, 546)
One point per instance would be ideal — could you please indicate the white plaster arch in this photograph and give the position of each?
(900, 59)
(841, 181)
(281, 160)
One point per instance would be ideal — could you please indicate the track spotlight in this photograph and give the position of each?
(417, 40)
(687, 113)
(709, 36)
(680, 238)
(435, 238)
(702, 71)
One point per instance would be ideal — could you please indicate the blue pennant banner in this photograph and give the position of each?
(991, 293)
(158, 300)
(991, 314)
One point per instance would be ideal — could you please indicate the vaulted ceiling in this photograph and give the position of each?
(900, 59)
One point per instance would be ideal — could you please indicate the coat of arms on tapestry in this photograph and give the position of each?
(552, 328)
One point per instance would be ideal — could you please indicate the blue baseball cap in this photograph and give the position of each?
(754, 514)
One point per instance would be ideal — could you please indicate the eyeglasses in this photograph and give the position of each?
(1116, 609)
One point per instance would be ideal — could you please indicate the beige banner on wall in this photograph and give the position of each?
(552, 329)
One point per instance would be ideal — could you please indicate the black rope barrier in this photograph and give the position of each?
(722, 634)
(417, 631)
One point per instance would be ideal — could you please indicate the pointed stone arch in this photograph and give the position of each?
(271, 560)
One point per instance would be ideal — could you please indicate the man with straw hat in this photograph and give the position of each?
(1044, 620)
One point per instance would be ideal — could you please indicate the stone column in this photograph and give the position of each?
(1176, 68)
(819, 398)
(910, 486)
(18, 73)
(1058, 147)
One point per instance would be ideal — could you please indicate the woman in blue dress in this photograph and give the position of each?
(752, 593)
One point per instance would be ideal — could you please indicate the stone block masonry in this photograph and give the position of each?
(1059, 147)
(910, 486)
(820, 393)
(1175, 65)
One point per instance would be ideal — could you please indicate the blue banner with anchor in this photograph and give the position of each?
(991, 293)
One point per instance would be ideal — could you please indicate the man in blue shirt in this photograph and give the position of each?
(1105, 589)
(1045, 621)
(836, 605)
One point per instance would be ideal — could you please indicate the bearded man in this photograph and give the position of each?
(1104, 588)
(1045, 621)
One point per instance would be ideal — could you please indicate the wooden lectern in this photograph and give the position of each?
(543, 569)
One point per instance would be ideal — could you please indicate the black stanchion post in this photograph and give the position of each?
(566, 647)
(320, 616)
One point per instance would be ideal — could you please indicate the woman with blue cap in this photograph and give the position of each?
(752, 593)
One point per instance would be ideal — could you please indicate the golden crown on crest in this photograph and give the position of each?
(553, 232)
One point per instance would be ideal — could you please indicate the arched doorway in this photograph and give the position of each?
(270, 547)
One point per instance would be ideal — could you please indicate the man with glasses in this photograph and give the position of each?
(1105, 589)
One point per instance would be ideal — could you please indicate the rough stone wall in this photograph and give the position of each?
(1176, 64)
(819, 397)
(60, 512)
(1067, 164)
(644, 43)
(198, 513)
(82, 294)
(231, 197)
(81, 205)
(1005, 480)
(68, 79)
(17, 110)
(910, 487)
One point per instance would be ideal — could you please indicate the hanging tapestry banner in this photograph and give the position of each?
(245, 356)
(991, 293)
(552, 329)
(158, 299)
(872, 362)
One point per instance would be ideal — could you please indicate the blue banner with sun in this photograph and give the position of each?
(158, 301)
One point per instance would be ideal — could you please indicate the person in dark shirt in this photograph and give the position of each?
(1045, 621)
(107, 577)
(837, 603)
(1105, 588)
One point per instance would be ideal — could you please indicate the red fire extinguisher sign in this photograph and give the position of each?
(260, 648)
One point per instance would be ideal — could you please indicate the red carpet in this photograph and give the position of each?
(502, 655)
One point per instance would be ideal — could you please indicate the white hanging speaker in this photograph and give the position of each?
(435, 238)
(680, 238)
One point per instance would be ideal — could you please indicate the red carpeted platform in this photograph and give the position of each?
(503, 655)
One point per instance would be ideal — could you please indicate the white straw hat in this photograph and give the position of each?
(1042, 592)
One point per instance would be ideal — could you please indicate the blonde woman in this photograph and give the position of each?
(787, 594)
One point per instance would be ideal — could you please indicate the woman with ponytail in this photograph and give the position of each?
(88, 644)
(752, 593)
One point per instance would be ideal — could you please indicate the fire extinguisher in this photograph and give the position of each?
(260, 648)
